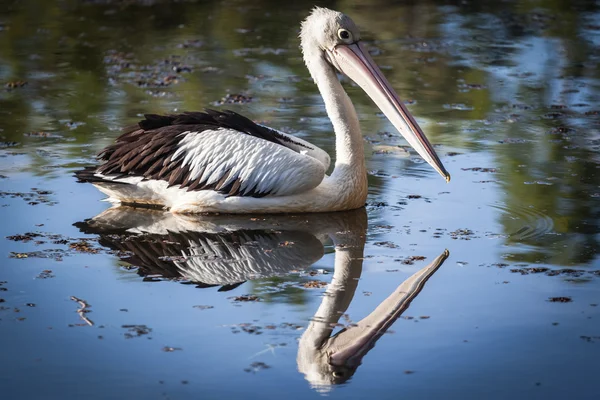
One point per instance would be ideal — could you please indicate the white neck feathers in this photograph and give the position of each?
(350, 161)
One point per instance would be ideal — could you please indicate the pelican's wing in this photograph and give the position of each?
(213, 150)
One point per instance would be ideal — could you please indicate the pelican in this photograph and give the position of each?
(222, 162)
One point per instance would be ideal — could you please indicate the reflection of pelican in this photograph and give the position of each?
(221, 250)
(222, 162)
(227, 250)
(326, 360)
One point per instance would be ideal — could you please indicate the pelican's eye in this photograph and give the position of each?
(345, 35)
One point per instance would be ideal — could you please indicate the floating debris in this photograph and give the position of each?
(83, 310)
(538, 182)
(377, 204)
(384, 226)
(136, 331)
(15, 84)
(561, 299)
(258, 330)
(389, 149)
(464, 234)
(573, 273)
(234, 99)
(18, 255)
(590, 339)
(168, 349)
(553, 115)
(191, 43)
(411, 260)
(4, 145)
(387, 244)
(26, 237)
(72, 124)
(209, 69)
(248, 328)
(75, 245)
(201, 307)
(159, 93)
(83, 247)
(181, 68)
(256, 367)
(460, 107)
(36, 196)
(512, 141)
(314, 284)
(259, 50)
(465, 87)
(480, 169)
(153, 80)
(42, 134)
(246, 297)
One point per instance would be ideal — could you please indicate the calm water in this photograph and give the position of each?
(487, 287)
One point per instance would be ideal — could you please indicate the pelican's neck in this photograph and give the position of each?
(349, 146)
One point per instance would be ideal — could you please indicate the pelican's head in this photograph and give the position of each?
(331, 37)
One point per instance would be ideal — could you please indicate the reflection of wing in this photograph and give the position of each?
(223, 258)
(327, 360)
(219, 249)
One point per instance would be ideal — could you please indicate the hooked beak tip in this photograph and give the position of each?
(447, 177)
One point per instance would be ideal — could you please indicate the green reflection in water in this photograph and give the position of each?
(517, 81)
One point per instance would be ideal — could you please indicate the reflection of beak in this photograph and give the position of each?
(357, 340)
(355, 62)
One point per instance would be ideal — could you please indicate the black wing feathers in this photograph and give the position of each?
(215, 119)
(146, 149)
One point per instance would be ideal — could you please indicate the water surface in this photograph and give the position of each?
(486, 287)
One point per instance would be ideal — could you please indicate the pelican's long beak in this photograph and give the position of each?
(355, 62)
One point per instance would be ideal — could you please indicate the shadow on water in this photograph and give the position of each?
(227, 250)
